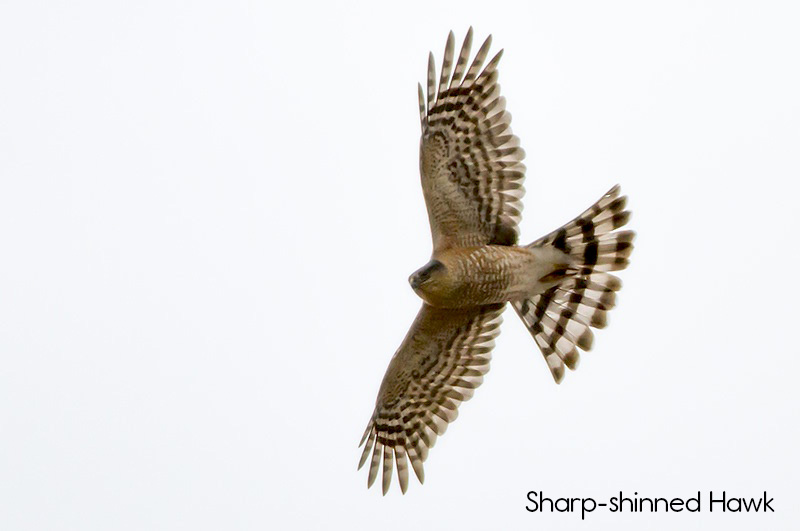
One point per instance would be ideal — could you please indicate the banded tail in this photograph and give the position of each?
(561, 318)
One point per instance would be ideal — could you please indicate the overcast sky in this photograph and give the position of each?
(209, 211)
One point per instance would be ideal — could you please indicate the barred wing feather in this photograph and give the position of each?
(470, 162)
(440, 363)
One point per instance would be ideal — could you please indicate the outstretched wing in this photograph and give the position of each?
(469, 159)
(439, 364)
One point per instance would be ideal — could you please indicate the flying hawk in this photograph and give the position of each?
(559, 285)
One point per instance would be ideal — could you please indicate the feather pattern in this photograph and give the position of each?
(560, 285)
(439, 365)
(470, 161)
(561, 318)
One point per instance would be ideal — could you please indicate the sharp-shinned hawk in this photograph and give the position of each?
(559, 285)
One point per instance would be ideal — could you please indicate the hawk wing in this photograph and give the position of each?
(469, 159)
(439, 364)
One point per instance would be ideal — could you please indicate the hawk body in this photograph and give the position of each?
(490, 274)
(560, 285)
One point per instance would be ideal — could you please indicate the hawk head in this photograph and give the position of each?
(428, 278)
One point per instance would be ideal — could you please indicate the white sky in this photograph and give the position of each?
(208, 213)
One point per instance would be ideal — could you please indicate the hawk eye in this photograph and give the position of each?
(423, 274)
(429, 268)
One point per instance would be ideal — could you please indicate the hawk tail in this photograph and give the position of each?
(561, 318)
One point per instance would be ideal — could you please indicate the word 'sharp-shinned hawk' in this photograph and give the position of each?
(559, 285)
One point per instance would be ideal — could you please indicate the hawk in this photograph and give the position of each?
(559, 285)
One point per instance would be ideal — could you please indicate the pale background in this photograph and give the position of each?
(208, 213)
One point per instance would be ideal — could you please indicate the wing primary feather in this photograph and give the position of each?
(422, 448)
(375, 464)
(431, 82)
(491, 67)
(402, 467)
(416, 464)
(462, 59)
(422, 113)
(387, 469)
(367, 448)
(447, 64)
(480, 57)
(366, 433)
